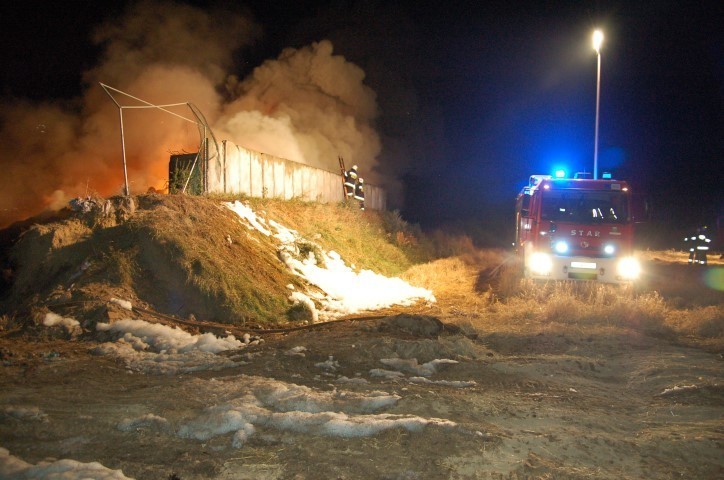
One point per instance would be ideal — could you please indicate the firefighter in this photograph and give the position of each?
(359, 193)
(350, 181)
(698, 246)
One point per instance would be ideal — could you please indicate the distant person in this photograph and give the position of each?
(359, 193)
(350, 181)
(698, 246)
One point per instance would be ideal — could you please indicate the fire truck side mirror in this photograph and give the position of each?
(640, 208)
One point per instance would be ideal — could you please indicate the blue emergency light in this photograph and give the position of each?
(606, 176)
(560, 173)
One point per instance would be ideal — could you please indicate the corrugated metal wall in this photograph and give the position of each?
(240, 170)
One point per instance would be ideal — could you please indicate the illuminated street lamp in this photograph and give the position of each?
(597, 41)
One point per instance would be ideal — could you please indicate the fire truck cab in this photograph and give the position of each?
(576, 229)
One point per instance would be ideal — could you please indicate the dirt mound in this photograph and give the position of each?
(418, 325)
(186, 256)
(177, 255)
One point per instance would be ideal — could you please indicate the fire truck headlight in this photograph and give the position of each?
(540, 264)
(629, 268)
(609, 249)
(560, 246)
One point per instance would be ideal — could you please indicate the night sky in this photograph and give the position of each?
(475, 99)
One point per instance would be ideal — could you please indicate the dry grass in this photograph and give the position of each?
(675, 256)
(505, 302)
(446, 276)
(443, 244)
(706, 322)
(224, 269)
(573, 307)
(380, 241)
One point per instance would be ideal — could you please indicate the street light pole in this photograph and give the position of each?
(597, 41)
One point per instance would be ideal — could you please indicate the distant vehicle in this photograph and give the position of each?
(576, 229)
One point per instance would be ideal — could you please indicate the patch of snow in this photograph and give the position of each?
(388, 374)
(411, 365)
(350, 292)
(678, 389)
(242, 435)
(446, 383)
(161, 338)
(286, 236)
(246, 213)
(354, 381)
(51, 319)
(299, 297)
(261, 402)
(296, 351)
(163, 363)
(343, 425)
(148, 421)
(13, 468)
(329, 364)
(123, 303)
(420, 372)
(346, 291)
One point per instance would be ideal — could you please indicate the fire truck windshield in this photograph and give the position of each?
(584, 207)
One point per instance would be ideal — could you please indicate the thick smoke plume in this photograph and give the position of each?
(308, 105)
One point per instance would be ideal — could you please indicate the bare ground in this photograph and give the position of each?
(546, 404)
(547, 392)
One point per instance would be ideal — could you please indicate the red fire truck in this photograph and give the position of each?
(576, 229)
